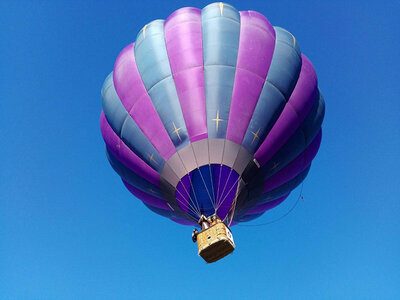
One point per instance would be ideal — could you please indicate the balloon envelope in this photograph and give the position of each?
(213, 110)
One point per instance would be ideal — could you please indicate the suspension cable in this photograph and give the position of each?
(190, 207)
(223, 190)
(214, 204)
(227, 194)
(281, 217)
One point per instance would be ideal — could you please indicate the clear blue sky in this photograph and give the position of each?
(70, 230)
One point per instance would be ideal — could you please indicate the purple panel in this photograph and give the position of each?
(146, 198)
(256, 46)
(295, 167)
(266, 206)
(184, 222)
(126, 155)
(183, 39)
(132, 92)
(294, 113)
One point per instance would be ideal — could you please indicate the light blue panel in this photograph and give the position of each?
(288, 38)
(219, 85)
(132, 178)
(151, 54)
(154, 68)
(281, 80)
(113, 109)
(286, 62)
(268, 110)
(221, 31)
(170, 111)
(213, 10)
(126, 128)
(299, 141)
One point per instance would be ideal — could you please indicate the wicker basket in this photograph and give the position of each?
(215, 242)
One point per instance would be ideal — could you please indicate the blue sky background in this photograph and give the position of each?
(70, 230)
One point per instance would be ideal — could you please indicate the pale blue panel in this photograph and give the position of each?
(281, 80)
(268, 110)
(126, 128)
(286, 62)
(154, 68)
(167, 104)
(221, 33)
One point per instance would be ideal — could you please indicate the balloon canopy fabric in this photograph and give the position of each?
(213, 110)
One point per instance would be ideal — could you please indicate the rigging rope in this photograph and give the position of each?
(223, 190)
(214, 204)
(191, 207)
(281, 217)
(196, 203)
(234, 205)
(233, 185)
(205, 185)
(219, 182)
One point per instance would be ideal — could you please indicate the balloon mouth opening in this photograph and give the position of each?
(207, 190)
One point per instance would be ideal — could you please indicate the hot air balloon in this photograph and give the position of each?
(212, 116)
